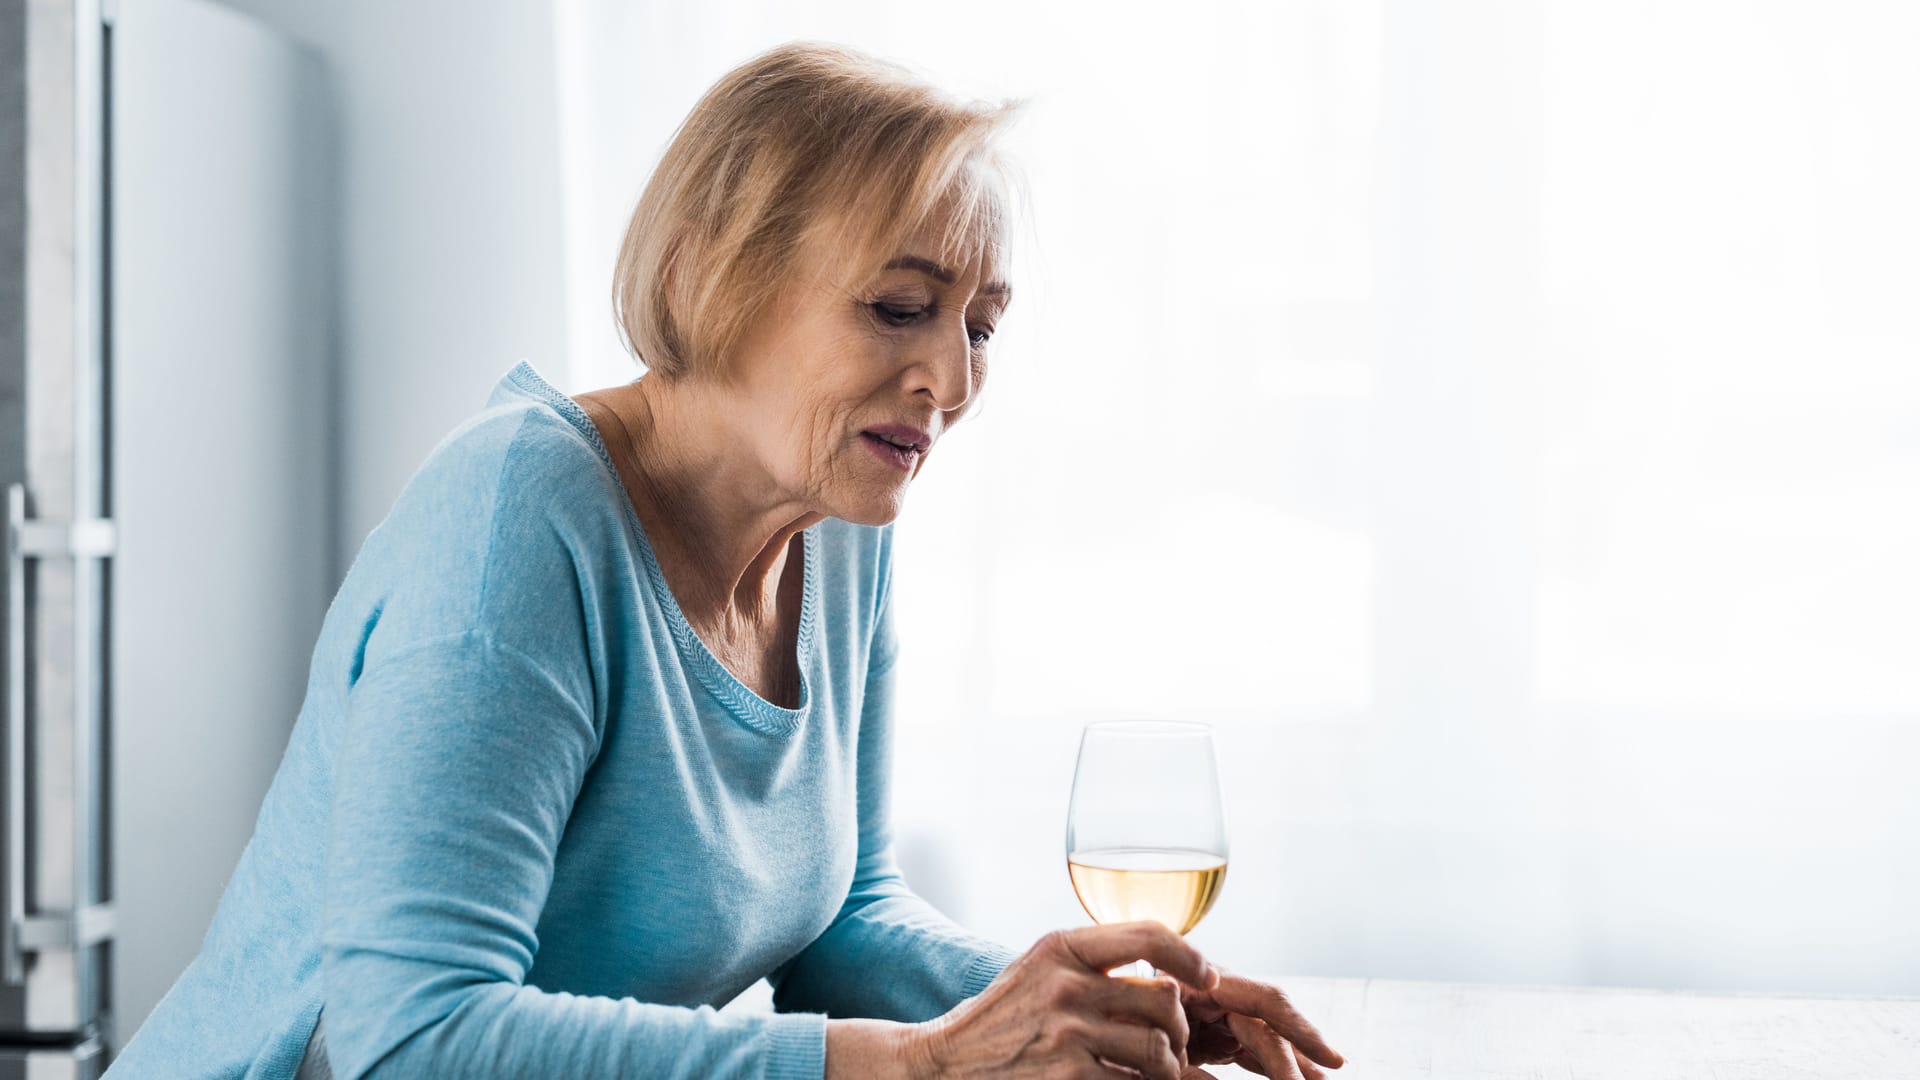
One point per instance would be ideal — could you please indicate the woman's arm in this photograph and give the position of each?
(455, 779)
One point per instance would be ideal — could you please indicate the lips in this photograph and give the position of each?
(902, 436)
(899, 445)
(900, 457)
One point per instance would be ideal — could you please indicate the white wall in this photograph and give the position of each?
(451, 257)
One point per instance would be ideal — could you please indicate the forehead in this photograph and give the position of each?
(960, 241)
(979, 273)
(967, 229)
(975, 264)
(951, 251)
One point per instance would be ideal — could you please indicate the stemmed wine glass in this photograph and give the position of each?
(1146, 827)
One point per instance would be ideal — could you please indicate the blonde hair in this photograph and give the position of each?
(807, 141)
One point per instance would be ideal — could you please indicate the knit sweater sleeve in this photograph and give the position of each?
(888, 954)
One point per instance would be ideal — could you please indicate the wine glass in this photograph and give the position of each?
(1146, 827)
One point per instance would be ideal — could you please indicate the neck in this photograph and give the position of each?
(718, 523)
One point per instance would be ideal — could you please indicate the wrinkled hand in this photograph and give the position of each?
(1253, 1025)
(1056, 1014)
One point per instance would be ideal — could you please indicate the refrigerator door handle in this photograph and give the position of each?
(19, 932)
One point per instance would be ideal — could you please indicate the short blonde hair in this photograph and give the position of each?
(804, 141)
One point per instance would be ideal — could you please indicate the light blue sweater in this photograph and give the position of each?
(528, 826)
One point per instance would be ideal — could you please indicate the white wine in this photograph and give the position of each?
(1172, 885)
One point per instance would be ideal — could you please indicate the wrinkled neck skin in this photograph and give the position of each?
(720, 526)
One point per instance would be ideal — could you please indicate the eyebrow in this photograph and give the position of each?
(943, 275)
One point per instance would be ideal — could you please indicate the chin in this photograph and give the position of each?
(875, 508)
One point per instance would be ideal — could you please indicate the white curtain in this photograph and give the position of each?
(1500, 420)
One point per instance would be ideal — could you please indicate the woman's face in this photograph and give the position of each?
(841, 395)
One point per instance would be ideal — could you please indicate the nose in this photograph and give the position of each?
(945, 371)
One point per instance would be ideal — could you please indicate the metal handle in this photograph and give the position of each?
(21, 933)
(12, 967)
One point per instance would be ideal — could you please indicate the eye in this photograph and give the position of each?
(896, 314)
(979, 335)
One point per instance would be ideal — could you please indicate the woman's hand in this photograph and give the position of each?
(1055, 1012)
(1252, 1025)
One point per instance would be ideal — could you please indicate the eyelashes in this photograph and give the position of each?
(904, 315)
(896, 314)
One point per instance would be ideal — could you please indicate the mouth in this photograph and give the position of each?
(897, 444)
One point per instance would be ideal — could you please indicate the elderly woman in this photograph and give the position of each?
(597, 727)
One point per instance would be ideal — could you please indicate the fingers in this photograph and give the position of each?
(1102, 947)
(1257, 999)
(1308, 1070)
(1136, 1046)
(1276, 1057)
(1211, 1041)
(1199, 1003)
(1147, 1001)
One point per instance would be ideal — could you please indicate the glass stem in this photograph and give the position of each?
(1142, 969)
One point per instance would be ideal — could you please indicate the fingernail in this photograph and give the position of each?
(1213, 976)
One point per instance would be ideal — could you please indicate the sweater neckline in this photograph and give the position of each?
(741, 700)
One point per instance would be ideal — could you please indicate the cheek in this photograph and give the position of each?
(831, 383)
(817, 438)
(819, 433)
(790, 414)
(845, 388)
